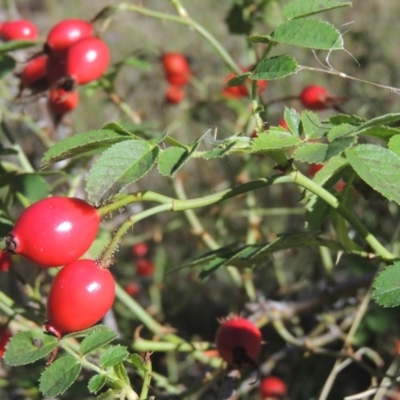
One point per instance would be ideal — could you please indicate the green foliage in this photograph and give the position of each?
(387, 286)
(29, 346)
(59, 376)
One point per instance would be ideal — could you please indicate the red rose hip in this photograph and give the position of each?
(21, 29)
(273, 387)
(238, 341)
(87, 60)
(54, 231)
(80, 295)
(315, 97)
(66, 33)
(61, 102)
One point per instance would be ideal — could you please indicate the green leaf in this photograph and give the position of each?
(236, 20)
(378, 167)
(7, 65)
(120, 165)
(305, 8)
(381, 132)
(319, 153)
(59, 376)
(292, 118)
(394, 144)
(339, 119)
(387, 286)
(341, 130)
(28, 347)
(275, 68)
(171, 160)
(85, 332)
(96, 382)
(238, 80)
(97, 339)
(82, 143)
(381, 120)
(113, 355)
(121, 374)
(33, 186)
(17, 45)
(309, 33)
(274, 138)
(110, 394)
(137, 361)
(254, 255)
(312, 126)
(138, 63)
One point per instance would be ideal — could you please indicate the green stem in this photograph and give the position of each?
(146, 378)
(107, 254)
(347, 214)
(144, 345)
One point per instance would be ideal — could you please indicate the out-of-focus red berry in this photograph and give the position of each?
(140, 249)
(61, 102)
(144, 267)
(315, 97)
(177, 69)
(21, 29)
(132, 288)
(283, 124)
(273, 387)
(175, 94)
(33, 75)
(5, 336)
(5, 260)
(314, 168)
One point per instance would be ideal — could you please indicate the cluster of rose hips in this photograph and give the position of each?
(71, 56)
(56, 232)
(177, 73)
(144, 266)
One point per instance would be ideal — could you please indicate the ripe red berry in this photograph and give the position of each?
(144, 267)
(177, 68)
(66, 33)
(5, 336)
(61, 102)
(315, 97)
(21, 29)
(140, 249)
(175, 94)
(238, 341)
(5, 260)
(283, 124)
(87, 60)
(33, 75)
(314, 168)
(132, 288)
(273, 387)
(80, 295)
(54, 231)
